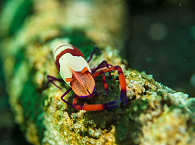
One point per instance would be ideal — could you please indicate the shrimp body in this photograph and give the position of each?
(74, 69)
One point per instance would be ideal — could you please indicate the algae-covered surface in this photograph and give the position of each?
(154, 114)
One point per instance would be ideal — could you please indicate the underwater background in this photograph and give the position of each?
(159, 39)
(162, 41)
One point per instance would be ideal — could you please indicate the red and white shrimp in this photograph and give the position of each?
(75, 71)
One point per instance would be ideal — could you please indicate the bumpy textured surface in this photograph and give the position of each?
(157, 115)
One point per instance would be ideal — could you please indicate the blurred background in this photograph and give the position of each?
(159, 40)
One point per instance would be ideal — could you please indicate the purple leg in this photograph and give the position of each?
(52, 79)
(62, 97)
(122, 81)
(102, 65)
(92, 54)
(111, 105)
